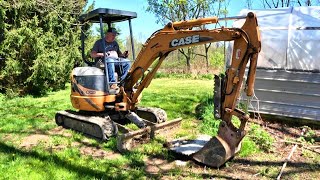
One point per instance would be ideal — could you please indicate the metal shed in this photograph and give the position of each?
(288, 74)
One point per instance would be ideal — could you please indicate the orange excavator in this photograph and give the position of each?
(104, 112)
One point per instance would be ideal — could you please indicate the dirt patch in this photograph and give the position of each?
(96, 152)
(304, 163)
(7, 137)
(157, 165)
(33, 140)
(59, 131)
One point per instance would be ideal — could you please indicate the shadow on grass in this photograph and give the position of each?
(81, 171)
(160, 167)
(299, 167)
(303, 165)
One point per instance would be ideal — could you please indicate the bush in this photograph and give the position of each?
(40, 45)
(261, 137)
(217, 58)
(209, 124)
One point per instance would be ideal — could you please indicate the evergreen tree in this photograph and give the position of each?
(39, 44)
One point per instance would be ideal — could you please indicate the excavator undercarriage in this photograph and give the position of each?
(102, 126)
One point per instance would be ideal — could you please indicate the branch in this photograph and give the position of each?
(182, 52)
(199, 54)
(299, 2)
(197, 11)
(289, 156)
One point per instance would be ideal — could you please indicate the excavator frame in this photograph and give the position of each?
(105, 104)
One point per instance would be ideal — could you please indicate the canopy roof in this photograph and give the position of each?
(108, 15)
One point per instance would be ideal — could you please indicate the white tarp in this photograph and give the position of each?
(290, 37)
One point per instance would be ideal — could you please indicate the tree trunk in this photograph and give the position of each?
(188, 57)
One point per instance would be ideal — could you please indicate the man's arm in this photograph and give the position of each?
(95, 54)
(95, 50)
(120, 54)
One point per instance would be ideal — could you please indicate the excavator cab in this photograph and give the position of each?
(103, 16)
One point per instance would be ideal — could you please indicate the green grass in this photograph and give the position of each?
(25, 116)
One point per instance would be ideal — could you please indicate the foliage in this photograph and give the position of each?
(248, 147)
(40, 44)
(261, 137)
(309, 135)
(217, 58)
(183, 76)
(209, 124)
(178, 10)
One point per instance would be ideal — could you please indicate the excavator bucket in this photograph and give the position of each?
(221, 148)
(213, 152)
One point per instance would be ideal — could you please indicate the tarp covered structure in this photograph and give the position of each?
(290, 38)
(288, 73)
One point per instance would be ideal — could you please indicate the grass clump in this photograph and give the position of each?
(261, 137)
(257, 139)
(209, 124)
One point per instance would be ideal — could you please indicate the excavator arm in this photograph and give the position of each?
(176, 35)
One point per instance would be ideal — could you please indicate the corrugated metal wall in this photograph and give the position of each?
(287, 93)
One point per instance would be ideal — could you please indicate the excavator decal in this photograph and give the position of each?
(188, 40)
(185, 40)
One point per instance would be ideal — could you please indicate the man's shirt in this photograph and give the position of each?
(112, 48)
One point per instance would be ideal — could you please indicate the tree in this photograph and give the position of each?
(181, 10)
(39, 44)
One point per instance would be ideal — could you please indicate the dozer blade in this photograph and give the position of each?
(133, 139)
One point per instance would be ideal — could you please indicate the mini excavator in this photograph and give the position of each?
(104, 112)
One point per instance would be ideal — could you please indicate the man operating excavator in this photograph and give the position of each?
(113, 57)
(101, 112)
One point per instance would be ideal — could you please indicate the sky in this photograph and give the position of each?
(145, 23)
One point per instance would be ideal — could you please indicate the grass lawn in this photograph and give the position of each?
(60, 156)
(33, 147)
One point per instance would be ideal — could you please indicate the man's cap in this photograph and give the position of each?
(113, 30)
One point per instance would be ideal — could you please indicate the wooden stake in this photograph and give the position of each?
(288, 158)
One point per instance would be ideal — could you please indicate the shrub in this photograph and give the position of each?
(261, 137)
(40, 45)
